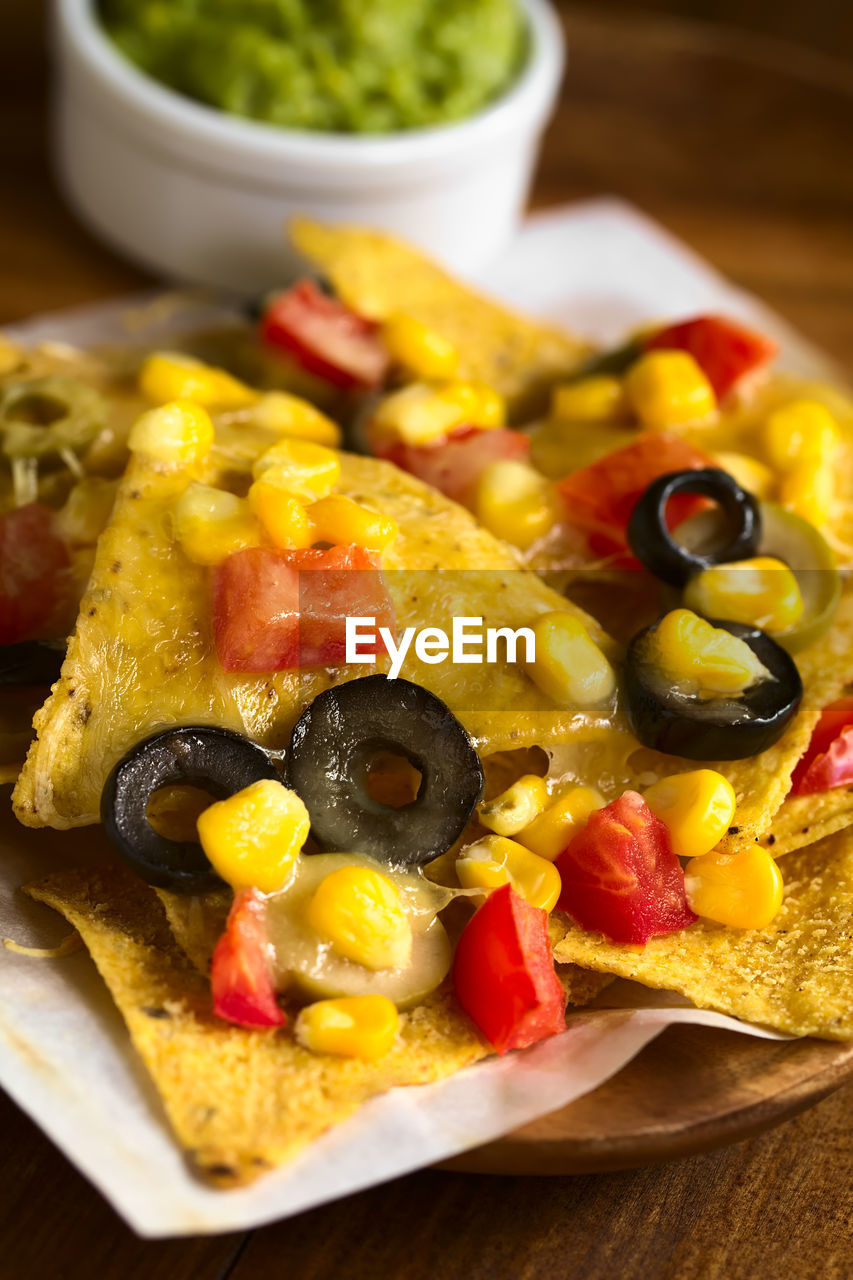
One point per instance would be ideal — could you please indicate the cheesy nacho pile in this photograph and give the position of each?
(350, 859)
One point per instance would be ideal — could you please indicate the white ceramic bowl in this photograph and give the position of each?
(202, 196)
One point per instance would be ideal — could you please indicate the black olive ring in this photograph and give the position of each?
(653, 544)
(724, 728)
(215, 759)
(328, 766)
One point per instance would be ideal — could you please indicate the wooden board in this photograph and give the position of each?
(692, 1089)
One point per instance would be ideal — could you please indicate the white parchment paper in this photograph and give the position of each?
(601, 268)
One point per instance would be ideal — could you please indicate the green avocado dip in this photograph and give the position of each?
(343, 66)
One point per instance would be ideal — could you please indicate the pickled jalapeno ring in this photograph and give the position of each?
(43, 417)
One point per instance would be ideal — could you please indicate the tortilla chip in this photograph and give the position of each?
(803, 820)
(796, 975)
(378, 276)
(241, 1101)
(142, 655)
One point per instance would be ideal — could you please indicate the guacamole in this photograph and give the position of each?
(352, 66)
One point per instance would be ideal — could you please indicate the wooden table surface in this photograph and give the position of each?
(740, 143)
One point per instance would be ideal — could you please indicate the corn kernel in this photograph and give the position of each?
(359, 911)
(752, 475)
(307, 470)
(253, 838)
(762, 592)
(211, 524)
(421, 413)
(690, 650)
(596, 399)
(282, 516)
(483, 406)
(516, 503)
(362, 1027)
(172, 375)
(803, 431)
(550, 833)
(516, 807)
(339, 520)
(419, 349)
(496, 861)
(569, 666)
(285, 415)
(180, 433)
(697, 807)
(809, 491)
(743, 890)
(667, 389)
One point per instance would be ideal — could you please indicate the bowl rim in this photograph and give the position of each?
(524, 104)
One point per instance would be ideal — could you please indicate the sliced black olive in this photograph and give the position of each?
(216, 760)
(334, 744)
(32, 662)
(613, 362)
(653, 544)
(719, 728)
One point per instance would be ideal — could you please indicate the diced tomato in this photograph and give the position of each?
(725, 351)
(453, 465)
(275, 610)
(35, 583)
(600, 498)
(241, 975)
(504, 973)
(327, 338)
(828, 760)
(620, 876)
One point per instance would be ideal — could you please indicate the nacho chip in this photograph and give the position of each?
(142, 655)
(241, 1101)
(379, 276)
(795, 975)
(803, 820)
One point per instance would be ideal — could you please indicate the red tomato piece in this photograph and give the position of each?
(620, 876)
(725, 351)
(35, 582)
(240, 975)
(504, 973)
(600, 498)
(453, 465)
(276, 610)
(828, 760)
(325, 337)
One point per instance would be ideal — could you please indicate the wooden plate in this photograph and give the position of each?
(691, 1089)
